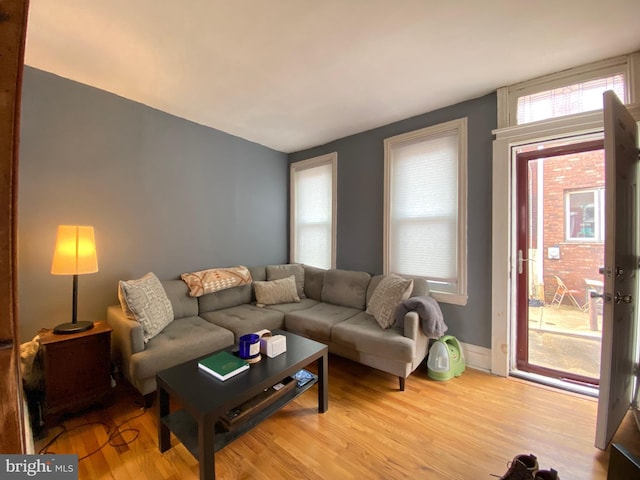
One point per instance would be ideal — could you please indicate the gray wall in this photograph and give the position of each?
(164, 195)
(170, 196)
(360, 206)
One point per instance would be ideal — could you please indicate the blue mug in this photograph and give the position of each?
(249, 346)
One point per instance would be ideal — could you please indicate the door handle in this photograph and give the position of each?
(619, 271)
(620, 298)
(521, 261)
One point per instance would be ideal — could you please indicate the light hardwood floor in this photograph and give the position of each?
(466, 428)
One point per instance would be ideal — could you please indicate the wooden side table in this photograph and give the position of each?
(77, 370)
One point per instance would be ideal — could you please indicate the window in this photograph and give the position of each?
(584, 215)
(572, 91)
(425, 208)
(313, 211)
(569, 99)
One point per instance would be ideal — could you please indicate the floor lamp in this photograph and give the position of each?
(75, 254)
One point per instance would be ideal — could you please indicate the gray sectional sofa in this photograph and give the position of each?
(333, 312)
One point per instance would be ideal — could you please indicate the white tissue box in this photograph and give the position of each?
(273, 346)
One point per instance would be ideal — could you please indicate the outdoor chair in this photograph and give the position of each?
(563, 291)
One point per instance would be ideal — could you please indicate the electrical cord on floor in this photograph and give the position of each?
(110, 439)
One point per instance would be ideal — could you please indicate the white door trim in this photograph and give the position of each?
(503, 246)
(503, 224)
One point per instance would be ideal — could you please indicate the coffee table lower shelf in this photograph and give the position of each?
(185, 428)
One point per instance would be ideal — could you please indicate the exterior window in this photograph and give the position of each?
(425, 208)
(584, 215)
(313, 211)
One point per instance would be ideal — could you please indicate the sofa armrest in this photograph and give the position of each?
(411, 324)
(126, 336)
(413, 330)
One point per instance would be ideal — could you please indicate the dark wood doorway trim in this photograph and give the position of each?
(522, 324)
(13, 28)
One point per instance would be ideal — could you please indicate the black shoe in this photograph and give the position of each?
(547, 475)
(523, 467)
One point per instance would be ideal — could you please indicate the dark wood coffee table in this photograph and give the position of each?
(204, 399)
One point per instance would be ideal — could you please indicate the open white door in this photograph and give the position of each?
(621, 256)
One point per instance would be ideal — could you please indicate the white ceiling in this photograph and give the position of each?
(292, 74)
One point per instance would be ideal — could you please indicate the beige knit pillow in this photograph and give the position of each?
(145, 301)
(276, 291)
(391, 290)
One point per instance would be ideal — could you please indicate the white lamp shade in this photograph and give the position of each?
(75, 251)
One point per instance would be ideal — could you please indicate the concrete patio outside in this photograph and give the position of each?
(563, 337)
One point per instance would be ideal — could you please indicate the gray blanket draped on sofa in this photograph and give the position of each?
(429, 312)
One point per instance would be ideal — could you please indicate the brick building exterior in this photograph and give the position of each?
(573, 216)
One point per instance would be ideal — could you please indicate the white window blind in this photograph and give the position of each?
(313, 198)
(425, 219)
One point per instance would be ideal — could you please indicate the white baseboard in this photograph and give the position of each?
(477, 357)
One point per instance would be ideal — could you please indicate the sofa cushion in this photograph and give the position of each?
(391, 290)
(317, 321)
(225, 298)
(276, 272)
(420, 288)
(345, 287)
(292, 307)
(258, 274)
(373, 283)
(363, 334)
(182, 340)
(247, 318)
(182, 303)
(313, 281)
(273, 292)
(145, 301)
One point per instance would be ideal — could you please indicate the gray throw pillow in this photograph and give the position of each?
(391, 290)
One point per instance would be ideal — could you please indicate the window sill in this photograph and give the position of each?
(452, 298)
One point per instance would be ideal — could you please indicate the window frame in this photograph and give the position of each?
(598, 215)
(508, 96)
(459, 126)
(319, 161)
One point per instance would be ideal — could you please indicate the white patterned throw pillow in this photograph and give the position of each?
(391, 290)
(145, 301)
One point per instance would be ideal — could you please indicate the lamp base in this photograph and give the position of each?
(77, 327)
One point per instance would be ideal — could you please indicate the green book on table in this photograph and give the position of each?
(223, 365)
